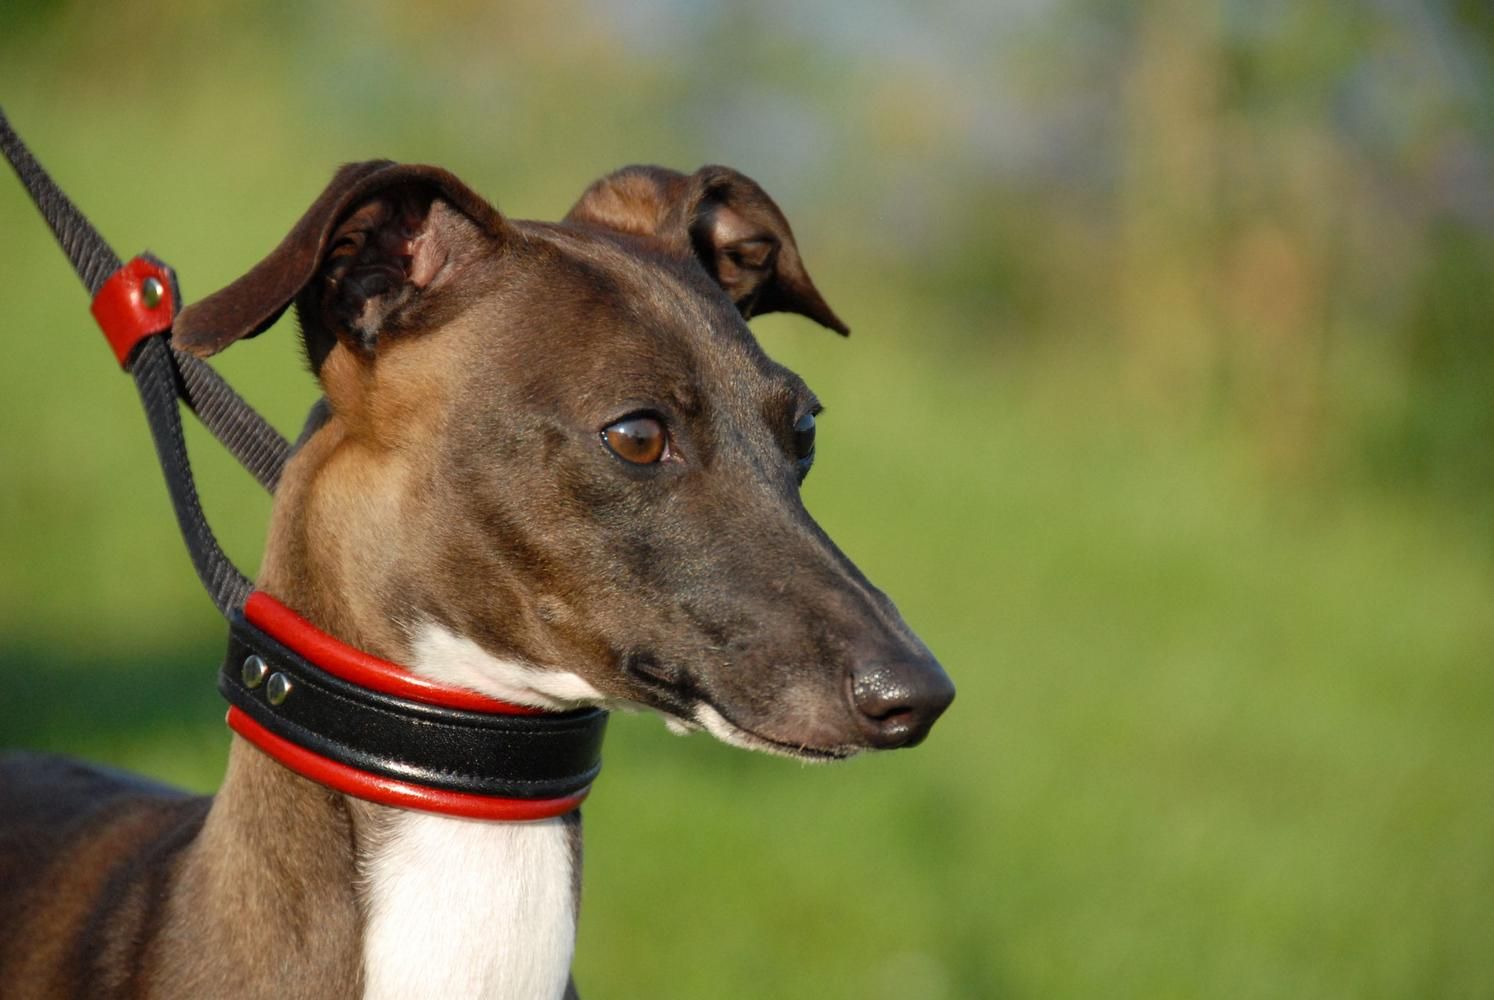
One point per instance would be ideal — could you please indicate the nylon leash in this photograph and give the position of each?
(135, 304)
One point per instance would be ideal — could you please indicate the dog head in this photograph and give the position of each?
(556, 466)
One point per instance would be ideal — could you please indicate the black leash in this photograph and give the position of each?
(162, 376)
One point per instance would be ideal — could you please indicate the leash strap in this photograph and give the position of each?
(135, 304)
(260, 448)
(91, 257)
(155, 374)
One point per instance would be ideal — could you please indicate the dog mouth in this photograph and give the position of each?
(674, 694)
(709, 717)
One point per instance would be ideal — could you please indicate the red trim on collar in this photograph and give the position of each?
(400, 794)
(357, 667)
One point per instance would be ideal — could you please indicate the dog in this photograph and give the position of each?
(552, 466)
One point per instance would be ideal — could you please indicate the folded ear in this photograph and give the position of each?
(726, 220)
(377, 239)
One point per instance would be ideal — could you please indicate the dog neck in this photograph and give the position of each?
(440, 903)
(341, 891)
(444, 906)
(459, 907)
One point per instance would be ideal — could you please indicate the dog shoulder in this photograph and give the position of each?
(77, 839)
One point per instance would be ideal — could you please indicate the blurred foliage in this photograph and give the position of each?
(1168, 420)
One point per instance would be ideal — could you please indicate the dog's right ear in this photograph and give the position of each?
(365, 253)
(737, 233)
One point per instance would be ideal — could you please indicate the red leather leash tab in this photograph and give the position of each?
(135, 302)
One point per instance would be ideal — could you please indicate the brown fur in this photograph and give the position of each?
(109, 890)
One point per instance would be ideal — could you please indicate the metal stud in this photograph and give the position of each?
(254, 671)
(278, 689)
(151, 292)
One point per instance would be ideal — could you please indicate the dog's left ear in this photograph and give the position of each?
(725, 220)
(360, 255)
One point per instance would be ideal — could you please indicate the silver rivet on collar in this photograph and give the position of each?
(151, 292)
(254, 671)
(278, 689)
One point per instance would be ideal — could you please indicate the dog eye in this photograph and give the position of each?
(804, 437)
(640, 440)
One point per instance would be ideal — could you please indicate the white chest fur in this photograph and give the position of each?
(464, 908)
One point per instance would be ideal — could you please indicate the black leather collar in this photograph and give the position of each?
(542, 756)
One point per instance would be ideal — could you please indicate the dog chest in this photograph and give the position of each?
(465, 908)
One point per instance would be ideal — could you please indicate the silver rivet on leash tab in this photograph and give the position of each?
(151, 292)
(278, 689)
(254, 671)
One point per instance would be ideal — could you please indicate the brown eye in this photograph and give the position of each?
(640, 440)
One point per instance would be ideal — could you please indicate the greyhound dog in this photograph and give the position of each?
(551, 466)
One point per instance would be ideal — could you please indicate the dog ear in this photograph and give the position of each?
(726, 220)
(366, 249)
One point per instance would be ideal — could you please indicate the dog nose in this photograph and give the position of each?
(895, 703)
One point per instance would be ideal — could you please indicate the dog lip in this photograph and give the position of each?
(669, 688)
(804, 751)
(682, 701)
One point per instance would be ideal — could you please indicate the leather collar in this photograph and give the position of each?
(373, 730)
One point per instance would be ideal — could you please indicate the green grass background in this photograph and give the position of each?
(1225, 723)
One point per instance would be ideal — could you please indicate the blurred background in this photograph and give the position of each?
(1167, 419)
